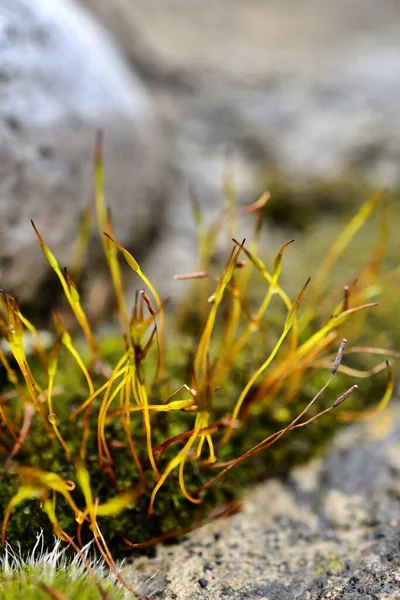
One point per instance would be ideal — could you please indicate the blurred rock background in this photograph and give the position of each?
(61, 79)
(299, 98)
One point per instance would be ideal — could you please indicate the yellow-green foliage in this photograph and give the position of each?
(137, 429)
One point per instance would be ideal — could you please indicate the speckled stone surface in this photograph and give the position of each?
(329, 531)
(61, 79)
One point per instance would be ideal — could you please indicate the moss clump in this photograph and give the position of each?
(172, 511)
(140, 436)
(43, 574)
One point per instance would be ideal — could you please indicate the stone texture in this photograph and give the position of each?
(330, 531)
(61, 79)
(122, 19)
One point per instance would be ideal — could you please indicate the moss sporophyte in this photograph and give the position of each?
(136, 437)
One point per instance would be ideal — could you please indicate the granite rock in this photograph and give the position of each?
(61, 79)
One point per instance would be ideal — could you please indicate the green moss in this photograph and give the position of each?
(172, 511)
(42, 574)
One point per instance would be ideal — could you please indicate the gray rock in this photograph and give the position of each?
(307, 88)
(61, 79)
(328, 532)
(122, 19)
